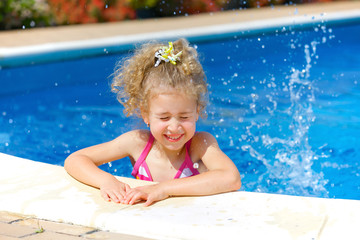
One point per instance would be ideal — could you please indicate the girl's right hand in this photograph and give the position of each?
(114, 190)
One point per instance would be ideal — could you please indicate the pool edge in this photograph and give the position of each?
(58, 51)
(33, 188)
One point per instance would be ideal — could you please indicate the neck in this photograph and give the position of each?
(172, 155)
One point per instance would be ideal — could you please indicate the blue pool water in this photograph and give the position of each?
(283, 106)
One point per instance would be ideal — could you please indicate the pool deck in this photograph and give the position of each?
(41, 201)
(22, 47)
(37, 196)
(40, 36)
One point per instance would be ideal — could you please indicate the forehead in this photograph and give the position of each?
(172, 102)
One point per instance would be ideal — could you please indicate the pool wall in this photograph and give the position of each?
(48, 192)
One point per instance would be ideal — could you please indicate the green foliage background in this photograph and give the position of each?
(24, 14)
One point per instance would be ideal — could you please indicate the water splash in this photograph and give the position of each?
(289, 157)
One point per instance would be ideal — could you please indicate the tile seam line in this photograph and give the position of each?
(122, 40)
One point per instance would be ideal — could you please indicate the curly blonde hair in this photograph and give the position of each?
(136, 79)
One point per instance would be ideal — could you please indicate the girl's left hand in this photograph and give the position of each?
(150, 194)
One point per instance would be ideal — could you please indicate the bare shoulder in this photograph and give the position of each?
(204, 138)
(137, 135)
(202, 141)
(133, 139)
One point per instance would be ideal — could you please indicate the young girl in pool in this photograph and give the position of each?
(165, 85)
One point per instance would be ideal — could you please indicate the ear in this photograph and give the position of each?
(145, 117)
(197, 113)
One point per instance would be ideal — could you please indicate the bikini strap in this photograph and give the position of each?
(187, 145)
(143, 155)
(188, 163)
(188, 160)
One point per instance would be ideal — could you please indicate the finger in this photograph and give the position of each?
(148, 202)
(132, 197)
(138, 197)
(119, 195)
(128, 196)
(127, 188)
(105, 196)
(113, 197)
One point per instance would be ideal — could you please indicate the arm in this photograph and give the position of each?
(222, 176)
(83, 166)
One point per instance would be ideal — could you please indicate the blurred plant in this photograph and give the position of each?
(193, 7)
(144, 8)
(138, 4)
(186, 7)
(90, 11)
(24, 14)
(263, 3)
(35, 13)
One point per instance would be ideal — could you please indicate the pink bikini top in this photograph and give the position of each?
(141, 170)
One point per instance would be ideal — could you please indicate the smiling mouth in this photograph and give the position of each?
(173, 138)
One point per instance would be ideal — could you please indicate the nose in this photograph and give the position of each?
(174, 125)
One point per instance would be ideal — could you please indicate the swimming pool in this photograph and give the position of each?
(283, 105)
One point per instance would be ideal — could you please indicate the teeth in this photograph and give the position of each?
(174, 138)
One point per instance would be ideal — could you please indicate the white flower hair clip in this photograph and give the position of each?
(166, 54)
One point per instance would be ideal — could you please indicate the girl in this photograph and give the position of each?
(166, 87)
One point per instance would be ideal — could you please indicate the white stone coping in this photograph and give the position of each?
(48, 192)
(13, 56)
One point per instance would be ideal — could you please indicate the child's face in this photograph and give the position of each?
(172, 116)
